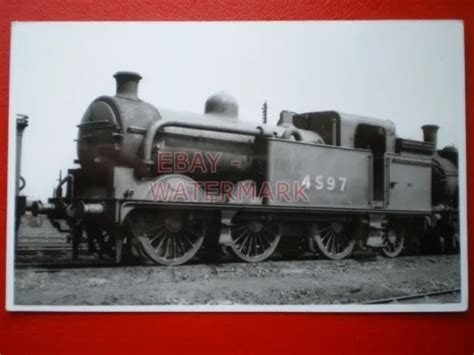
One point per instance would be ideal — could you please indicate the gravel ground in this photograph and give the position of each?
(308, 281)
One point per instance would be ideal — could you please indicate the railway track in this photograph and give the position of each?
(41, 251)
(52, 252)
(44, 256)
(417, 296)
(50, 257)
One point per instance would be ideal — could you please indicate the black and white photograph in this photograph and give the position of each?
(307, 166)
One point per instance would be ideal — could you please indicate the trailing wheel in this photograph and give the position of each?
(254, 240)
(333, 239)
(167, 237)
(394, 241)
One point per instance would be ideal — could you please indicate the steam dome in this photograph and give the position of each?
(222, 104)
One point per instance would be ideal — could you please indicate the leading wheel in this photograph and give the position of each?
(394, 241)
(254, 240)
(333, 240)
(100, 240)
(167, 237)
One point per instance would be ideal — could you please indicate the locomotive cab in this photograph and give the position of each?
(350, 131)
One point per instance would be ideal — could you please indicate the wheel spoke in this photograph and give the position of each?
(246, 244)
(169, 247)
(261, 241)
(334, 244)
(187, 239)
(241, 245)
(328, 240)
(235, 229)
(153, 229)
(160, 243)
(326, 228)
(175, 246)
(333, 241)
(329, 233)
(157, 235)
(180, 244)
(172, 247)
(254, 241)
(339, 246)
(248, 249)
(241, 235)
(164, 249)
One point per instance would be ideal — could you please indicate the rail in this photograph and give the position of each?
(413, 296)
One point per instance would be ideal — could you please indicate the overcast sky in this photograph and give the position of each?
(410, 72)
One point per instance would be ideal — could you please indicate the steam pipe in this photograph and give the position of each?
(158, 125)
(292, 132)
(58, 194)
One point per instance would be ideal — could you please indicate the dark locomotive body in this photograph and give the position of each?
(164, 185)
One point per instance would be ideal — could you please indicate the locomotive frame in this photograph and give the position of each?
(362, 184)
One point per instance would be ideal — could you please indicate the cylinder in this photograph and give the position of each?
(80, 209)
(430, 134)
(127, 84)
(93, 208)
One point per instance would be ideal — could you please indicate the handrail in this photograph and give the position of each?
(58, 190)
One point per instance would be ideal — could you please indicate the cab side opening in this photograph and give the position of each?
(374, 138)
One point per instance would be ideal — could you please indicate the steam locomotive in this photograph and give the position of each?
(165, 185)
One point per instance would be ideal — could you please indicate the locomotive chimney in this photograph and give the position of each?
(430, 134)
(127, 84)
